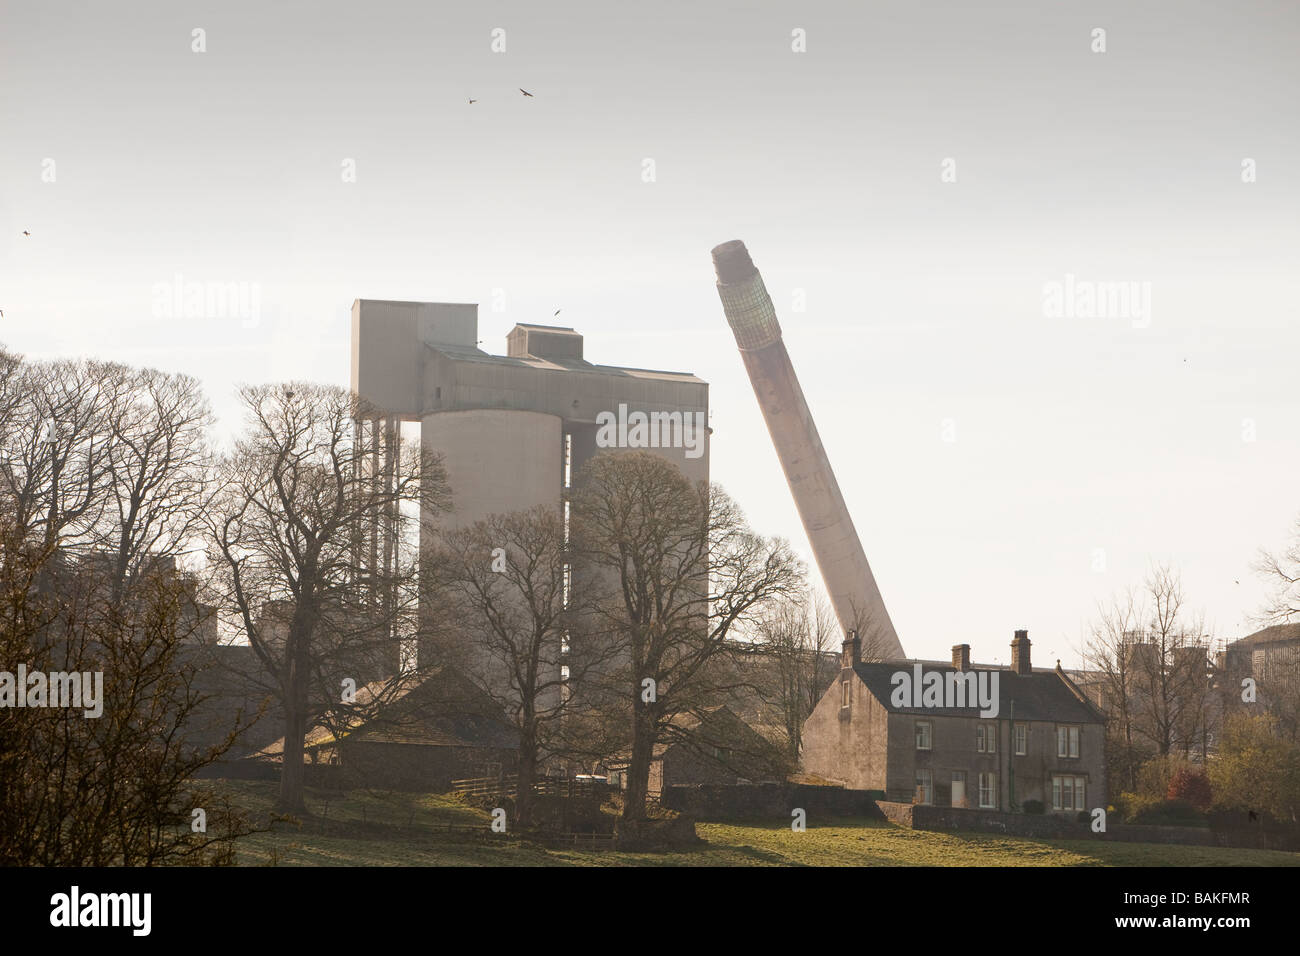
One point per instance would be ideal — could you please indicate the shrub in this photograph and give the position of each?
(1168, 813)
(1034, 806)
(1129, 805)
(1156, 774)
(1191, 786)
(1257, 768)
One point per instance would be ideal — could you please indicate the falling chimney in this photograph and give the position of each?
(851, 651)
(1020, 654)
(961, 657)
(826, 520)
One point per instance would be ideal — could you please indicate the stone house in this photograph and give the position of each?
(1030, 735)
(713, 746)
(414, 734)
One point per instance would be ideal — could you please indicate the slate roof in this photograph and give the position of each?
(439, 710)
(711, 727)
(1270, 635)
(1042, 695)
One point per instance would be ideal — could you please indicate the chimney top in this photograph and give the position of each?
(732, 263)
(961, 657)
(1020, 663)
(851, 651)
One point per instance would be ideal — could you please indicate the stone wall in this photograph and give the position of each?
(769, 801)
(1048, 827)
(652, 835)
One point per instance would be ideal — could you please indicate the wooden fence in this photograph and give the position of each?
(508, 786)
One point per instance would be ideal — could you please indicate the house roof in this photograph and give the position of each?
(705, 727)
(1270, 635)
(438, 710)
(1041, 695)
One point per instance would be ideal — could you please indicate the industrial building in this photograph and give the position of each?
(514, 429)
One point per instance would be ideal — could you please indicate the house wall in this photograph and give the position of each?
(723, 749)
(953, 743)
(847, 744)
(397, 766)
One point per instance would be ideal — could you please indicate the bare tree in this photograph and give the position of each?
(1108, 652)
(1282, 570)
(507, 581)
(110, 781)
(797, 635)
(685, 569)
(157, 471)
(1152, 658)
(57, 454)
(874, 637)
(1277, 673)
(297, 494)
(1173, 673)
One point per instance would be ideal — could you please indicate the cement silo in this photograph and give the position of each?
(498, 460)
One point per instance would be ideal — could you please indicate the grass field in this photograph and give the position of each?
(403, 829)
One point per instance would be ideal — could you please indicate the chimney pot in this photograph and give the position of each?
(961, 657)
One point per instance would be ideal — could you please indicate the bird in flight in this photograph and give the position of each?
(2, 313)
(472, 102)
(557, 311)
(525, 92)
(26, 233)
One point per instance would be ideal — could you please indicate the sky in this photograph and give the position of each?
(916, 181)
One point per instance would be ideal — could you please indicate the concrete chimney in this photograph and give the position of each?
(835, 544)
(1020, 654)
(961, 657)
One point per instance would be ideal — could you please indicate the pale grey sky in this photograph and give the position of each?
(924, 313)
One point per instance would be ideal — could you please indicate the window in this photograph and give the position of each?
(844, 693)
(922, 735)
(1067, 741)
(1022, 740)
(924, 786)
(1068, 792)
(959, 788)
(986, 737)
(989, 791)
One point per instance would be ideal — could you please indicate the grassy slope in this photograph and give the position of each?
(411, 837)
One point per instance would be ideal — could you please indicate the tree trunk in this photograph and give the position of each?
(638, 771)
(291, 768)
(295, 726)
(527, 775)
